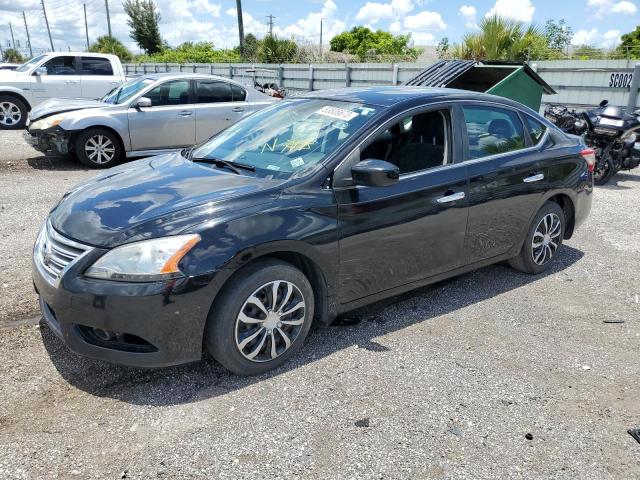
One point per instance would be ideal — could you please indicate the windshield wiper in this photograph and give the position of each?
(220, 163)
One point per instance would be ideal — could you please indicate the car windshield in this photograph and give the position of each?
(127, 90)
(26, 66)
(288, 138)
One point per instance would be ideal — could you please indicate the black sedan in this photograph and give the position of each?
(309, 208)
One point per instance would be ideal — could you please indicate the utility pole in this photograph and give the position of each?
(240, 25)
(24, 17)
(106, 5)
(86, 29)
(320, 38)
(46, 20)
(13, 40)
(270, 23)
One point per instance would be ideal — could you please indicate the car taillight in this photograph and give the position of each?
(589, 155)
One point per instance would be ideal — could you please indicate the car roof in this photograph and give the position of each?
(179, 75)
(388, 96)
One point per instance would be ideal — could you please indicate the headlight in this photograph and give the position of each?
(48, 122)
(145, 261)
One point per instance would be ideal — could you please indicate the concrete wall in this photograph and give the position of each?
(579, 83)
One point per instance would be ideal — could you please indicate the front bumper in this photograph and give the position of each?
(158, 324)
(54, 140)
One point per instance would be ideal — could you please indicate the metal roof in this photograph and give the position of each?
(443, 72)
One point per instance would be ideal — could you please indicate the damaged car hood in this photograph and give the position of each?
(60, 105)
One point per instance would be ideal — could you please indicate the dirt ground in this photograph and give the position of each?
(494, 374)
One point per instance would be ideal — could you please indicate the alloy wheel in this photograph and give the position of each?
(546, 239)
(269, 321)
(100, 149)
(10, 114)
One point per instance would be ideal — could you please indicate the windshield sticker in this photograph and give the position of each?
(339, 113)
(297, 162)
(273, 167)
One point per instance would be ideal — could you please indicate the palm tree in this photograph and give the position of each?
(107, 44)
(502, 38)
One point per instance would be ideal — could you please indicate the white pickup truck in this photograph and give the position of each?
(56, 74)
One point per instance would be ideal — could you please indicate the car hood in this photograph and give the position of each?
(60, 105)
(154, 197)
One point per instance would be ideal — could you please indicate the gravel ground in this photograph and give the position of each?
(494, 374)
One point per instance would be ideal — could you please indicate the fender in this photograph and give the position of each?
(18, 92)
(81, 120)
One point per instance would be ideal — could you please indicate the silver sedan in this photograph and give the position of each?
(148, 115)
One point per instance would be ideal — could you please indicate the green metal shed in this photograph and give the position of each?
(511, 80)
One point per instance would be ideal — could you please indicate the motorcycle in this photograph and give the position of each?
(612, 134)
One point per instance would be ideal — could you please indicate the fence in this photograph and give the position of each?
(578, 83)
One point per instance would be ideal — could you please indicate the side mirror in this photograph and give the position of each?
(375, 173)
(604, 103)
(40, 71)
(143, 102)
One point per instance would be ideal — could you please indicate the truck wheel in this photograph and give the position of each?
(543, 241)
(98, 148)
(261, 318)
(13, 113)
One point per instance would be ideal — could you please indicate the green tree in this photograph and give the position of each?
(189, 52)
(12, 55)
(363, 42)
(442, 49)
(275, 50)
(251, 45)
(502, 38)
(107, 44)
(630, 45)
(587, 52)
(143, 21)
(558, 34)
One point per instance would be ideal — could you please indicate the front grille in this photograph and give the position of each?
(54, 253)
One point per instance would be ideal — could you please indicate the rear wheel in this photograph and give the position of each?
(604, 171)
(261, 318)
(543, 241)
(13, 113)
(98, 148)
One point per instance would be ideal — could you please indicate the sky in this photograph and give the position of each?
(594, 22)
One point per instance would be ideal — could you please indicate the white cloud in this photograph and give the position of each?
(373, 12)
(521, 10)
(602, 8)
(468, 13)
(425, 20)
(423, 38)
(608, 39)
(308, 28)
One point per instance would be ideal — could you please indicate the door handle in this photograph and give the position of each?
(237, 109)
(114, 83)
(185, 113)
(451, 198)
(534, 178)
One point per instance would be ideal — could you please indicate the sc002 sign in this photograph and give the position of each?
(620, 80)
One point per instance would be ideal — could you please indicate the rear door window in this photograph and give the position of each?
(212, 91)
(239, 94)
(96, 66)
(492, 130)
(535, 128)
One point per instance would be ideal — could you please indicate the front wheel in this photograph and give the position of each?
(98, 148)
(261, 318)
(543, 241)
(13, 113)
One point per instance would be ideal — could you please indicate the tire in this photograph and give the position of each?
(246, 348)
(13, 113)
(534, 259)
(87, 148)
(608, 170)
